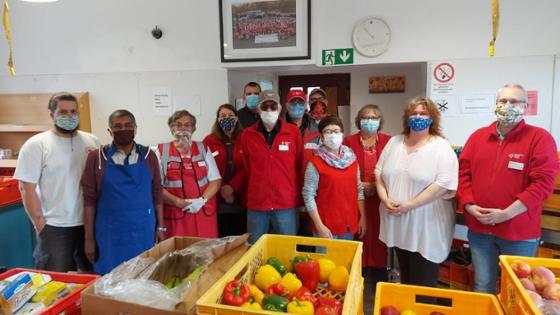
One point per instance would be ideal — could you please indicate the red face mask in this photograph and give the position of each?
(318, 110)
(123, 137)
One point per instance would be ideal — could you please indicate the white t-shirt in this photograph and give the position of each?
(428, 229)
(56, 164)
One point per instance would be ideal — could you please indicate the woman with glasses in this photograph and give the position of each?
(191, 180)
(332, 190)
(226, 149)
(367, 144)
(416, 177)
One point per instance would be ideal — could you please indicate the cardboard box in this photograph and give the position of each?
(93, 304)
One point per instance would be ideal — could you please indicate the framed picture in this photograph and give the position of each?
(264, 30)
(388, 84)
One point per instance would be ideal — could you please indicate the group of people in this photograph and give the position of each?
(260, 172)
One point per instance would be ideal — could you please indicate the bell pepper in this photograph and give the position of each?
(326, 266)
(325, 310)
(236, 293)
(252, 306)
(303, 294)
(329, 302)
(277, 289)
(308, 272)
(277, 264)
(338, 279)
(290, 282)
(275, 303)
(266, 276)
(301, 307)
(299, 259)
(256, 293)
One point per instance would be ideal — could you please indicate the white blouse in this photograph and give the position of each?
(427, 229)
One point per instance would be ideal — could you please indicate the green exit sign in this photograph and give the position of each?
(341, 56)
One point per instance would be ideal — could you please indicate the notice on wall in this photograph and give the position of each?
(532, 103)
(477, 103)
(443, 75)
(161, 101)
(446, 104)
(190, 103)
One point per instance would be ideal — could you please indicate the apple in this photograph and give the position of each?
(537, 299)
(542, 277)
(389, 310)
(552, 292)
(521, 268)
(528, 284)
(408, 312)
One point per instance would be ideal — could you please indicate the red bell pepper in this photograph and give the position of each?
(309, 273)
(303, 294)
(326, 302)
(277, 289)
(236, 293)
(325, 310)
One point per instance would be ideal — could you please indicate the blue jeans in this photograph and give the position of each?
(284, 221)
(485, 249)
(349, 236)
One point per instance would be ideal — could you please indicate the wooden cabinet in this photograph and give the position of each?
(24, 115)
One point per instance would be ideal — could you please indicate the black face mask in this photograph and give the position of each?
(123, 137)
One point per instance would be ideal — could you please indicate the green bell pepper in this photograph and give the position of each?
(299, 259)
(277, 264)
(275, 303)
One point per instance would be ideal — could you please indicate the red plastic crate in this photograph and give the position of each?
(9, 190)
(69, 304)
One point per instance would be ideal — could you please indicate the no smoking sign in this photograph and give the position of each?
(444, 72)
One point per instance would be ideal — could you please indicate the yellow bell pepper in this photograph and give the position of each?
(338, 279)
(251, 306)
(326, 266)
(301, 307)
(290, 282)
(266, 276)
(256, 293)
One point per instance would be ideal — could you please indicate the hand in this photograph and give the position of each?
(227, 193)
(40, 225)
(182, 203)
(369, 189)
(477, 212)
(160, 236)
(195, 205)
(402, 207)
(90, 249)
(392, 206)
(362, 226)
(324, 231)
(493, 216)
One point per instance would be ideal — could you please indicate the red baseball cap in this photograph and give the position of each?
(293, 94)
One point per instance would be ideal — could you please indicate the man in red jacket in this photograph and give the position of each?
(506, 170)
(273, 152)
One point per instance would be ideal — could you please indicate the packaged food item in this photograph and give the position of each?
(16, 294)
(31, 309)
(48, 293)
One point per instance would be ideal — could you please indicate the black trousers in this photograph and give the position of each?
(61, 249)
(416, 269)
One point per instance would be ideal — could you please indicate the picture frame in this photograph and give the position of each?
(265, 30)
(387, 84)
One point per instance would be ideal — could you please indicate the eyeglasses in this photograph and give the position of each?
(127, 126)
(180, 125)
(512, 101)
(268, 105)
(332, 131)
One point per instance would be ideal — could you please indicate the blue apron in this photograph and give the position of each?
(125, 220)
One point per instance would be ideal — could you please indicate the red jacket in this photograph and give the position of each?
(218, 149)
(274, 174)
(354, 143)
(494, 173)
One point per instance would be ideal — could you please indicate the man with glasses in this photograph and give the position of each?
(123, 201)
(506, 170)
(53, 162)
(248, 114)
(272, 152)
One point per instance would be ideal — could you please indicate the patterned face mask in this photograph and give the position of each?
(370, 125)
(68, 123)
(227, 124)
(509, 113)
(417, 123)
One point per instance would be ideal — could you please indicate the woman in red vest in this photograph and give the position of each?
(232, 215)
(332, 191)
(191, 180)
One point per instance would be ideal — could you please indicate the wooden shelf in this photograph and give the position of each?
(23, 128)
(11, 163)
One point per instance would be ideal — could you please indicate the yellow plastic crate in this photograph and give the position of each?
(403, 297)
(345, 253)
(513, 296)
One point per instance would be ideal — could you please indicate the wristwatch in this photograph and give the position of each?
(162, 229)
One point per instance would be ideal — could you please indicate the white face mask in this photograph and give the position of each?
(333, 141)
(509, 113)
(183, 138)
(270, 118)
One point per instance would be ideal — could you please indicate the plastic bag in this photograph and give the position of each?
(549, 307)
(127, 270)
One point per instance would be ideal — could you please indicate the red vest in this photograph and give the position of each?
(337, 196)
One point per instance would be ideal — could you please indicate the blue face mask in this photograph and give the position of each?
(69, 123)
(369, 125)
(227, 124)
(296, 111)
(417, 123)
(252, 101)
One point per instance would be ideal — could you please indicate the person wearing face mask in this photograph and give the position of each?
(123, 201)
(367, 144)
(416, 177)
(191, 180)
(272, 152)
(52, 161)
(332, 190)
(226, 149)
(506, 170)
(248, 114)
(318, 104)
